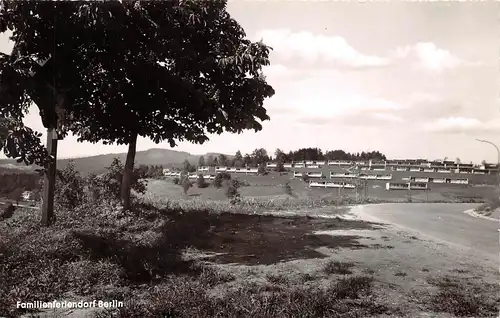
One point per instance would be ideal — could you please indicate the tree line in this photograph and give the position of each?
(260, 157)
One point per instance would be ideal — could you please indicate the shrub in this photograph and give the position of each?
(186, 185)
(221, 177)
(200, 182)
(232, 188)
(97, 189)
(262, 170)
(113, 177)
(288, 188)
(280, 167)
(305, 178)
(69, 188)
(176, 180)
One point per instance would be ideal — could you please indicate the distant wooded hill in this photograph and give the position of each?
(98, 164)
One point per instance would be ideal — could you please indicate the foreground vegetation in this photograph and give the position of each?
(97, 250)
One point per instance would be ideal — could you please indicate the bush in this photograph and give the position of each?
(280, 167)
(72, 190)
(113, 178)
(262, 170)
(305, 178)
(232, 188)
(200, 182)
(288, 188)
(69, 188)
(221, 177)
(176, 180)
(186, 185)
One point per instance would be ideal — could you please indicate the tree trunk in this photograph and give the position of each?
(127, 173)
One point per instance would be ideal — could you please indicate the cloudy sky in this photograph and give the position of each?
(407, 79)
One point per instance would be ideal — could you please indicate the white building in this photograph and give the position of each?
(342, 175)
(384, 177)
(220, 169)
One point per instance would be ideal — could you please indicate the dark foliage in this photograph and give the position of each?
(219, 178)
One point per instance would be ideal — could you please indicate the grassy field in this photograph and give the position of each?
(272, 185)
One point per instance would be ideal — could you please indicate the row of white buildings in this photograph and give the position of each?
(392, 165)
(389, 185)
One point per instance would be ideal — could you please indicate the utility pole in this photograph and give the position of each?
(49, 179)
(44, 94)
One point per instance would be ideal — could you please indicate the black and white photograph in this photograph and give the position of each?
(249, 158)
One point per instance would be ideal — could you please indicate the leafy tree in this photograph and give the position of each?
(247, 160)
(201, 161)
(186, 166)
(143, 60)
(219, 178)
(238, 156)
(259, 156)
(279, 155)
(280, 167)
(183, 40)
(238, 160)
(210, 161)
(223, 160)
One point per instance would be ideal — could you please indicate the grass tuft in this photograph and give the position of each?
(336, 267)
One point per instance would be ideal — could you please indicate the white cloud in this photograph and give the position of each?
(430, 57)
(454, 125)
(338, 105)
(388, 117)
(312, 48)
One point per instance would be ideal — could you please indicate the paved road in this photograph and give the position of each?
(444, 223)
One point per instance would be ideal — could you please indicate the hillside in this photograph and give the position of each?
(97, 164)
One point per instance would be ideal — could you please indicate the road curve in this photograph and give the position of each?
(444, 223)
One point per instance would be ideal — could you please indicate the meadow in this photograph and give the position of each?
(272, 186)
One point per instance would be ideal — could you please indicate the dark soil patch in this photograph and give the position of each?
(257, 239)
